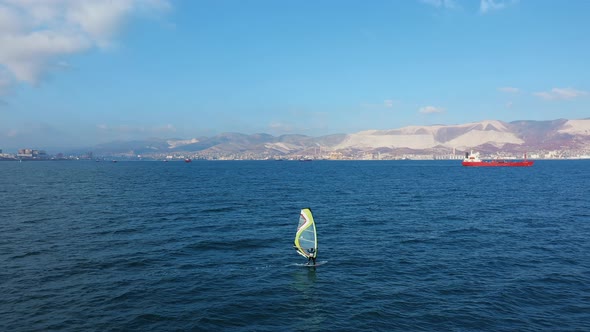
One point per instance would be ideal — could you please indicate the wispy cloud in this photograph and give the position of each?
(36, 34)
(10, 133)
(449, 4)
(5, 82)
(125, 129)
(431, 109)
(280, 127)
(560, 94)
(509, 89)
(387, 103)
(486, 6)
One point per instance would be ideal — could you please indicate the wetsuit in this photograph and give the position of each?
(311, 258)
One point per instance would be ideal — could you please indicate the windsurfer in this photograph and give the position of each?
(311, 257)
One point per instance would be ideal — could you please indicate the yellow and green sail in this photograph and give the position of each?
(306, 239)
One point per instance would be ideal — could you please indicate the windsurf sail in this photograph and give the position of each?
(306, 241)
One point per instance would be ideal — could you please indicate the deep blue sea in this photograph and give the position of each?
(207, 246)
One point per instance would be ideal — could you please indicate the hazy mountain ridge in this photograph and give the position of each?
(488, 136)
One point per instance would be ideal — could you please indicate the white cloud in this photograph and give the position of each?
(431, 109)
(560, 94)
(450, 4)
(490, 5)
(100, 20)
(36, 34)
(509, 89)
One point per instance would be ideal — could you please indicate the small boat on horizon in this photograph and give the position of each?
(473, 160)
(188, 160)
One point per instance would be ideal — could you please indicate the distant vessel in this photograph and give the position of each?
(306, 241)
(188, 160)
(474, 161)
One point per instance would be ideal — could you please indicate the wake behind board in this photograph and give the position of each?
(308, 265)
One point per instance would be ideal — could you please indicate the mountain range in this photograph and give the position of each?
(489, 136)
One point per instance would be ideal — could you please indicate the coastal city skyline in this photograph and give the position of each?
(80, 73)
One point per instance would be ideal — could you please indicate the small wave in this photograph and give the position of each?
(32, 253)
(229, 244)
(219, 210)
(138, 263)
(126, 231)
(425, 239)
(149, 320)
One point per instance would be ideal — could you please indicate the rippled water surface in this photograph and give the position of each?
(207, 246)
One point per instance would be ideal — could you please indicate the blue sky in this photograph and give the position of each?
(76, 73)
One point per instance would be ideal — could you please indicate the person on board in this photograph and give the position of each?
(311, 257)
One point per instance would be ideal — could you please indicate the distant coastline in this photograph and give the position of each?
(492, 139)
(151, 159)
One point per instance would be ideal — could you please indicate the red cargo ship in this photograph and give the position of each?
(473, 160)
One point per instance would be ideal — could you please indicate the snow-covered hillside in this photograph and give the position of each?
(462, 136)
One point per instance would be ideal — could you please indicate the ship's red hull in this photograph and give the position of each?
(498, 163)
